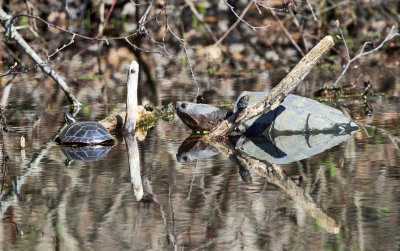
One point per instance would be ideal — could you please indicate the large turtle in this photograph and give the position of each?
(295, 114)
(84, 133)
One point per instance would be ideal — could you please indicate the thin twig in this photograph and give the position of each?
(312, 11)
(142, 20)
(182, 42)
(200, 18)
(391, 35)
(344, 40)
(101, 29)
(267, 7)
(234, 24)
(287, 33)
(254, 28)
(6, 20)
(45, 62)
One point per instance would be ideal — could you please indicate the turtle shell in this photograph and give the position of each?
(89, 132)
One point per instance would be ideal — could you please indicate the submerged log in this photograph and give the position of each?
(274, 98)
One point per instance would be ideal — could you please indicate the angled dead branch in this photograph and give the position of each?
(12, 33)
(274, 98)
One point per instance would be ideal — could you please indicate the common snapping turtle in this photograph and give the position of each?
(295, 114)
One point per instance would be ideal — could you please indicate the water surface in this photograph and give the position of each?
(348, 197)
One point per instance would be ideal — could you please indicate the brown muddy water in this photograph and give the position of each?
(343, 198)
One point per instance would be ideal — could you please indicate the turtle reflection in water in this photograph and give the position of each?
(85, 153)
(85, 141)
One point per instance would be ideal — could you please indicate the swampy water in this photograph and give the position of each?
(346, 197)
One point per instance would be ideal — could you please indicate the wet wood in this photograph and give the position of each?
(274, 98)
(116, 121)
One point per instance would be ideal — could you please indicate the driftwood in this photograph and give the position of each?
(274, 98)
(12, 33)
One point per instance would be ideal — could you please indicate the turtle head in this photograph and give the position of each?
(199, 117)
(69, 118)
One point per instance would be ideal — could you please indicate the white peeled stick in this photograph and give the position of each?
(131, 98)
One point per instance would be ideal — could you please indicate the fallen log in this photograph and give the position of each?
(274, 98)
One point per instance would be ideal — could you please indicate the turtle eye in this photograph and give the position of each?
(183, 105)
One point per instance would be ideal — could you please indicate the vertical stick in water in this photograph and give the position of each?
(131, 97)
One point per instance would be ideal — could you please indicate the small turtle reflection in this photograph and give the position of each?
(84, 153)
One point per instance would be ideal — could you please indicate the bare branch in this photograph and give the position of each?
(342, 36)
(13, 34)
(254, 28)
(287, 33)
(267, 7)
(233, 25)
(45, 62)
(101, 29)
(312, 11)
(182, 42)
(142, 20)
(391, 35)
(200, 18)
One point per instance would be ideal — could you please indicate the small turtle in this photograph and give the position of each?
(84, 133)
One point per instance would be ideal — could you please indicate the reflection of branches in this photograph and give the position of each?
(395, 140)
(191, 183)
(171, 237)
(391, 35)
(4, 168)
(275, 175)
